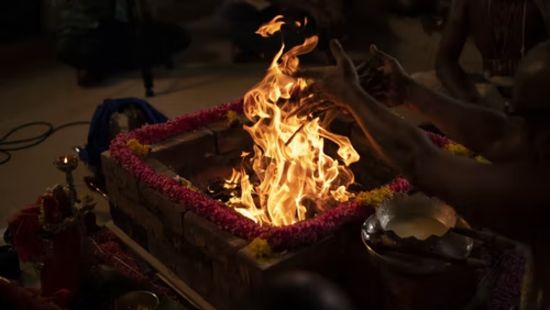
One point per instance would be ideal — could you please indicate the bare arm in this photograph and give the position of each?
(394, 139)
(502, 197)
(485, 131)
(481, 129)
(508, 198)
(499, 194)
(452, 43)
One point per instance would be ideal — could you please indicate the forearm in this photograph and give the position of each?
(480, 191)
(395, 140)
(456, 81)
(474, 126)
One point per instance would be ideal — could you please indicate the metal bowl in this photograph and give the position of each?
(137, 300)
(411, 254)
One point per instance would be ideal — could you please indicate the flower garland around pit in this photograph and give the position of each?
(455, 148)
(128, 149)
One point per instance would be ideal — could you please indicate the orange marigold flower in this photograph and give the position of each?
(232, 117)
(139, 149)
(260, 248)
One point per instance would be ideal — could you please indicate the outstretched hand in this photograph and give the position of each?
(334, 82)
(337, 82)
(387, 81)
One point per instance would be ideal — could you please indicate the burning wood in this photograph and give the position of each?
(291, 174)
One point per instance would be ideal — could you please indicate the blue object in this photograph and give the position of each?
(98, 134)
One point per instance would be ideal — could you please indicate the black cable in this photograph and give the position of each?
(9, 146)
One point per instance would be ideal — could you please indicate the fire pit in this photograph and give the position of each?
(164, 201)
(228, 197)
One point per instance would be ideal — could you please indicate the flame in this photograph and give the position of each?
(292, 175)
(271, 27)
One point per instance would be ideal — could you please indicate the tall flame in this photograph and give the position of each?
(291, 172)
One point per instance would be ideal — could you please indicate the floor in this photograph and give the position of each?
(33, 87)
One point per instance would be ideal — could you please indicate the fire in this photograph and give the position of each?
(292, 175)
(271, 27)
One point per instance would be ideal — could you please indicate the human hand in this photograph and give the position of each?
(383, 77)
(334, 82)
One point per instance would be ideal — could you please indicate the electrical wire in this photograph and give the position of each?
(9, 146)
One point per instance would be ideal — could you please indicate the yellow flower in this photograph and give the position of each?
(461, 150)
(458, 149)
(374, 197)
(482, 160)
(138, 148)
(232, 117)
(260, 248)
(186, 183)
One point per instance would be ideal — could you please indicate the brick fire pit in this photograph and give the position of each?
(214, 258)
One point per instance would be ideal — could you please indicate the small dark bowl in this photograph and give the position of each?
(137, 300)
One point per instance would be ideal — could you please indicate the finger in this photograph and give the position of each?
(361, 66)
(310, 73)
(340, 55)
(385, 57)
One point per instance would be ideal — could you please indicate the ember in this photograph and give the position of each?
(291, 176)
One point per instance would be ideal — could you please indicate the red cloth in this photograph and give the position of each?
(25, 229)
(61, 272)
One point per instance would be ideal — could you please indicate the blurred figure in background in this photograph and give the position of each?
(97, 39)
(503, 31)
(433, 13)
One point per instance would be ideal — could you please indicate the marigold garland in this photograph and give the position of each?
(375, 197)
